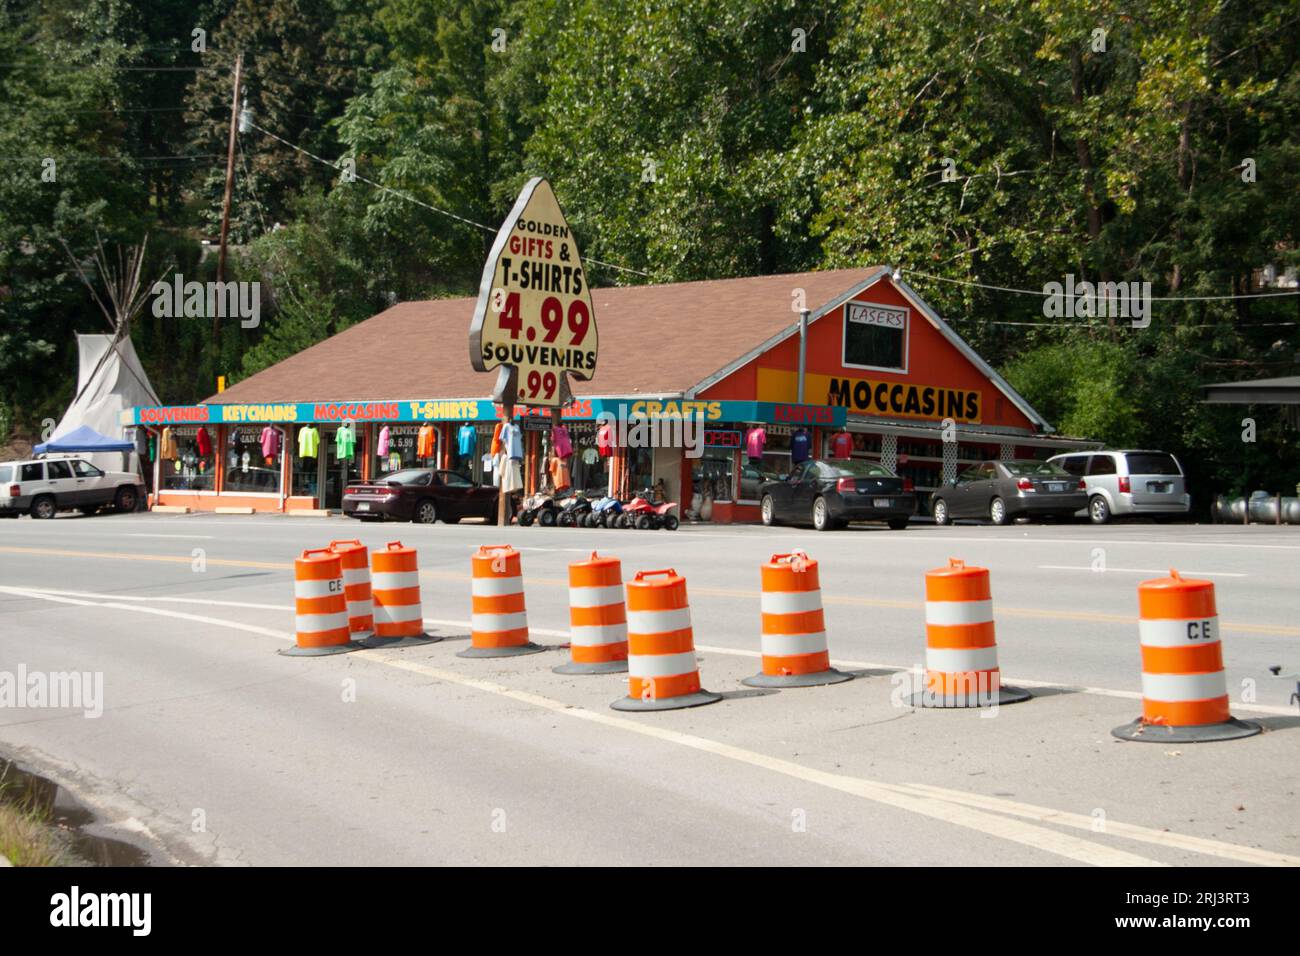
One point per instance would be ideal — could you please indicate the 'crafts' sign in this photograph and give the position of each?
(534, 319)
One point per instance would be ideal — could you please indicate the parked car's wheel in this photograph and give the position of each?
(43, 507)
(998, 511)
(768, 510)
(547, 518)
(126, 499)
(821, 515)
(426, 511)
(940, 512)
(1098, 510)
(897, 524)
(671, 523)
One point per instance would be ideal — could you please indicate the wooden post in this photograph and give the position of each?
(504, 462)
(230, 183)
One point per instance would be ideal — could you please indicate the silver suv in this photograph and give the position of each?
(1122, 483)
(44, 487)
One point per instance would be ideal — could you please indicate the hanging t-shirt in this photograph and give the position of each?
(560, 441)
(590, 456)
(842, 445)
(425, 443)
(466, 439)
(800, 447)
(204, 442)
(270, 441)
(605, 440)
(345, 442)
(560, 474)
(512, 440)
(755, 439)
(384, 438)
(496, 439)
(308, 442)
(167, 446)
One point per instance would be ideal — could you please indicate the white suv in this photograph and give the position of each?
(1122, 483)
(44, 487)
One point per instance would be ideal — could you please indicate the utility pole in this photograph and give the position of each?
(230, 183)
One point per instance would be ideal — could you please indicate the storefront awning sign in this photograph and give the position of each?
(534, 320)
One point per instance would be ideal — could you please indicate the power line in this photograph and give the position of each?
(419, 202)
(1058, 295)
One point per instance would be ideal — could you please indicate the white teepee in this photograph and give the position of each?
(110, 378)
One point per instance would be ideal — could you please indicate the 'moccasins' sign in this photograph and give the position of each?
(534, 319)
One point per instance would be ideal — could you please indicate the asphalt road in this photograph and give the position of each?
(219, 750)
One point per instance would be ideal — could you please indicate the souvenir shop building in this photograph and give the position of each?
(882, 375)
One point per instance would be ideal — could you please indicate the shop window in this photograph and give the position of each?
(305, 482)
(713, 476)
(774, 465)
(248, 468)
(875, 336)
(641, 468)
(403, 443)
(590, 472)
(189, 468)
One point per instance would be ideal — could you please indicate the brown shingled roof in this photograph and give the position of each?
(654, 339)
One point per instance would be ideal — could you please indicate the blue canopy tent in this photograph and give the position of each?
(86, 439)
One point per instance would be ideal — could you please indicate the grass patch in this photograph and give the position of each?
(27, 835)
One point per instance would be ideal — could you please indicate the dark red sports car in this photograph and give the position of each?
(423, 495)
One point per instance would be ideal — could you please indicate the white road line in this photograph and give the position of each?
(1162, 571)
(703, 648)
(950, 806)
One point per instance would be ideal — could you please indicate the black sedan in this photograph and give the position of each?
(422, 495)
(1004, 490)
(830, 494)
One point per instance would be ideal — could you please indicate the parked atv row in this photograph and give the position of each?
(577, 511)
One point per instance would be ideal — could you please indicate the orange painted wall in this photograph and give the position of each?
(931, 360)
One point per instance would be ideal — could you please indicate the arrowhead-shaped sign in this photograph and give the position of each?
(534, 319)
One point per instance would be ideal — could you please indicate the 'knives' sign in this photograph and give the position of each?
(534, 318)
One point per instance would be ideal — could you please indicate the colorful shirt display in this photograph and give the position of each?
(308, 442)
(800, 447)
(755, 439)
(560, 441)
(384, 439)
(496, 439)
(560, 474)
(605, 440)
(345, 442)
(167, 446)
(270, 442)
(842, 445)
(204, 441)
(512, 441)
(425, 442)
(466, 439)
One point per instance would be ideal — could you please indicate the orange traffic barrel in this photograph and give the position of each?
(793, 636)
(597, 618)
(961, 650)
(320, 607)
(356, 586)
(498, 620)
(1184, 688)
(395, 589)
(662, 673)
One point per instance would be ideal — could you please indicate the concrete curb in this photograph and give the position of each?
(171, 509)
